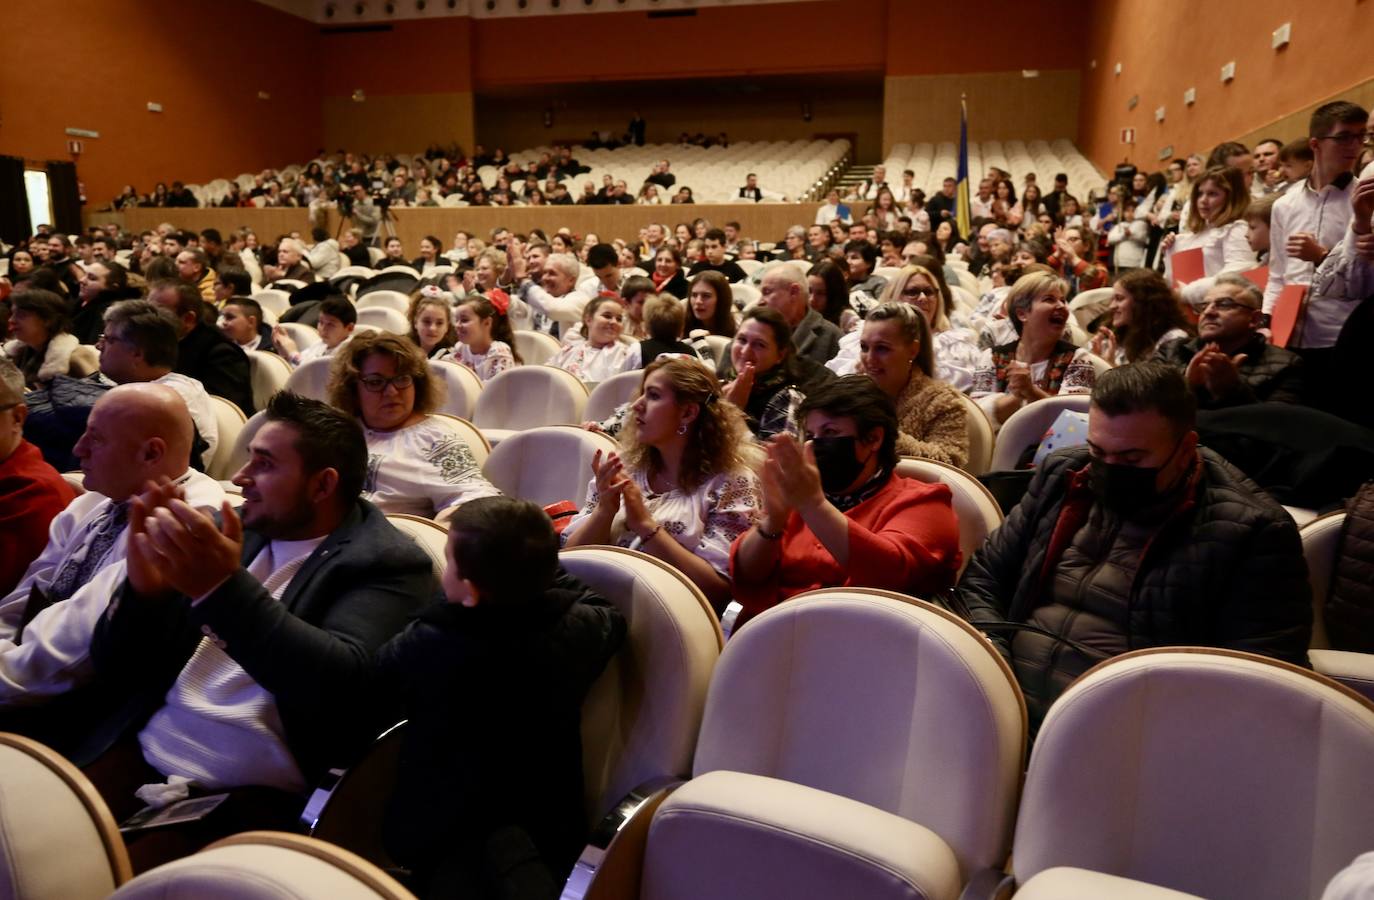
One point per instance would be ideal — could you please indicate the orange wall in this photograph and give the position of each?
(989, 36)
(1167, 46)
(95, 64)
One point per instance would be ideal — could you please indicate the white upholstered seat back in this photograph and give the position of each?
(1025, 427)
(528, 397)
(879, 698)
(1216, 773)
(974, 506)
(547, 465)
(1321, 538)
(640, 720)
(58, 840)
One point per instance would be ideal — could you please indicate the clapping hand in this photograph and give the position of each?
(1213, 369)
(737, 391)
(795, 477)
(609, 475)
(1019, 382)
(173, 546)
(1104, 344)
(282, 340)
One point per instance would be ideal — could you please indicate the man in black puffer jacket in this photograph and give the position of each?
(1142, 540)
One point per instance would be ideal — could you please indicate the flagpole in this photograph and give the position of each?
(963, 207)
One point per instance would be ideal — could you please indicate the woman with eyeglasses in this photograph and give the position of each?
(416, 463)
(921, 285)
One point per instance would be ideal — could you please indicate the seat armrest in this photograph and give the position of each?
(988, 884)
(610, 864)
(1354, 670)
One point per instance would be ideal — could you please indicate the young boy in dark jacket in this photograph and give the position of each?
(491, 679)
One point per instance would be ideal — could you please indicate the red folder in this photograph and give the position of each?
(1285, 314)
(1258, 276)
(1187, 266)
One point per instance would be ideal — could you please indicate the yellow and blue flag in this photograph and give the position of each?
(962, 214)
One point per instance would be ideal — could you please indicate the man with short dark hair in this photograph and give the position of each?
(1141, 539)
(715, 260)
(604, 261)
(661, 176)
(1229, 362)
(941, 207)
(337, 318)
(231, 283)
(244, 645)
(1056, 196)
(1267, 174)
(212, 245)
(862, 257)
(203, 353)
(751, 190)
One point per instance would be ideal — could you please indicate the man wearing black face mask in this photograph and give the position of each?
(1143, 539)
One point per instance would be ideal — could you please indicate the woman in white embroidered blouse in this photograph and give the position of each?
(680, 490)
(485, 341)
(1216, 219)
(1040, 363)
(416, 463)
(602, 354)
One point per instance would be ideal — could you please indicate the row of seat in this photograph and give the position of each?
(932, 163)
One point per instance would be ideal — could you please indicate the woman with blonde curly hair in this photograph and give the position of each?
(416, 464)
(680, 489)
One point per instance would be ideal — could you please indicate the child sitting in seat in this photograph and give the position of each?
(489, 795)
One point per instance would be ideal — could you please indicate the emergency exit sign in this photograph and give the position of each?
(1128, 135)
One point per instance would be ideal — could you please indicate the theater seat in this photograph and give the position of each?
(269, 373)
(535, 347)
(980, 437)
(524, 397)
(230, 420)
(238, 455)
(266, 865)
(974, 506)
(1321, 541)
(311, 378)
(470, 434)
(273, 300)
(462, 386)
(385, 299)
(547, 465)
(303, 335)
(611, 394)
(641, 718)
(1027, 426)
(856, 743)
(384, 318)
(429, 535)
(58, 840)
(1212, 772)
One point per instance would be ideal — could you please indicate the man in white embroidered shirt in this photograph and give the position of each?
(135, 432)
(245, 645)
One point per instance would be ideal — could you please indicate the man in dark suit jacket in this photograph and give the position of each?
(203, 353)
(783, 288)
(244, 647)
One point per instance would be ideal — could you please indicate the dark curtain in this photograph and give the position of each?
(66, 197)
(14, 201)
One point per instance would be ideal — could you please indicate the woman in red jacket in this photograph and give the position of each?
(834, 514)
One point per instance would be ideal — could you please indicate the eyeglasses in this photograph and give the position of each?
(107, 338)
(1223, 305)
(918, 292)
(1347, 138)
(376, 383)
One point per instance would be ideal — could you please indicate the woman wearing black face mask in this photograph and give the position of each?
(874, 528)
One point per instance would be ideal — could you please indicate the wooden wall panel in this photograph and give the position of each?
(1001, 106)
(398, 123)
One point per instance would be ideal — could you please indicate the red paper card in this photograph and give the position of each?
(1188, 266)
(1285, 314)
(1259, 277)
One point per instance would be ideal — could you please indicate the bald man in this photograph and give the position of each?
(783, 288)
(136, 433)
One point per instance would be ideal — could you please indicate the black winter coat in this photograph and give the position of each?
(1224, 570)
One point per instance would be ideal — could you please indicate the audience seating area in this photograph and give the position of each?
(932, 163)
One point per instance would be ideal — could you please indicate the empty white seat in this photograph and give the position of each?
(303, 335)
(269, 373)
(547, 465)
(273, 300)
(384, 318)
(611, 394)
(388, 299)
(461, 384)
(267, 865)
(230, 421)
(535, 347)
(58, 840)
(311, 378)
(1150, 767)
(524, 397)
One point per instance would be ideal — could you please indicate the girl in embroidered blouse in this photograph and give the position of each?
(431, 323)
(416, 463)
(603, 353)
(1040, 363)
(680, 489)
(486, 343)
